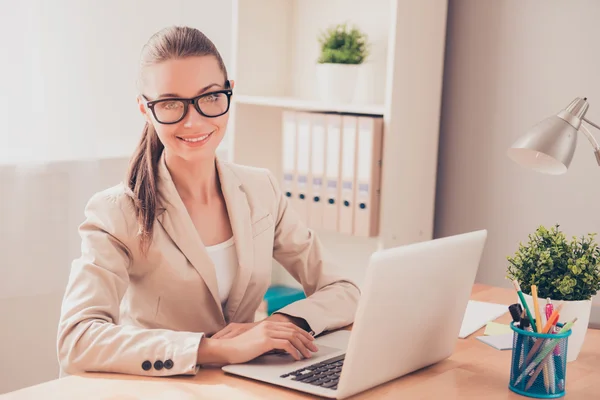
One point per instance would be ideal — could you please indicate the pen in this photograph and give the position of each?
(549, 308)
(539, 322)
(537, 362)
(551, 361)
(553, 319)
(520, 293)
(557, 361)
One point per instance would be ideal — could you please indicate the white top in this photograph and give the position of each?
(225, 259)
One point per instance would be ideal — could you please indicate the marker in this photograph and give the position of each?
(520, 293)
(515, 312)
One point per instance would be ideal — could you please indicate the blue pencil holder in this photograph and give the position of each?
(539, 363)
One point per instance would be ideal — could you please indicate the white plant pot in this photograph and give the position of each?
(570, 309)
(336, 83)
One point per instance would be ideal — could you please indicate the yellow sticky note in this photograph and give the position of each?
(494, 328)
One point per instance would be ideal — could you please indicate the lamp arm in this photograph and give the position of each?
(591, 123)
(591, 138)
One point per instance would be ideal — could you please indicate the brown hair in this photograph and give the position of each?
(169, 43)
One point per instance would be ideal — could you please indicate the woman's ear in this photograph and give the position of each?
(142, 108)
(231, 83)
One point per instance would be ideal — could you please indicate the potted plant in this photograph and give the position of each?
(564, 271)
(343, 51)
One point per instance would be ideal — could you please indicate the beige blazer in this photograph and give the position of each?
(128, 313)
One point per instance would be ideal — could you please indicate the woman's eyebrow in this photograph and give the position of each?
(204, 89)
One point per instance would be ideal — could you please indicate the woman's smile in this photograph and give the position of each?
(196, 140)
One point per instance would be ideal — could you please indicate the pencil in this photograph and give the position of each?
(520, 293)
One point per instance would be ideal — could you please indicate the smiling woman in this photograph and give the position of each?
(176, 260)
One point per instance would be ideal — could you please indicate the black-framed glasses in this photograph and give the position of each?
(174, 109)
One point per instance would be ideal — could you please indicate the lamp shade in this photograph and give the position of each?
(549, 146)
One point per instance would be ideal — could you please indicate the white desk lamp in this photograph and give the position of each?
(549, 146)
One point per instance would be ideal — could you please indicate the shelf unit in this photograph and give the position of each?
(274, 52)
(309, 105)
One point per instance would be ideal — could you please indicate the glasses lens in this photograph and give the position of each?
(213, 104)
(169, 111)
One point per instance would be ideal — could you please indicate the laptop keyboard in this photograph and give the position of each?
(325, 374)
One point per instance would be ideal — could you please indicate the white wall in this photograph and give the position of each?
(312, 17)
(510, 64)
(69, 69)
(67, 91)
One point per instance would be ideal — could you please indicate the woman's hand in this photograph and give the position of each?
(261, 338)
(233, 329)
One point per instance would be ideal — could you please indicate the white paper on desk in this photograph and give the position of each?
(478, 314)
(499, 342)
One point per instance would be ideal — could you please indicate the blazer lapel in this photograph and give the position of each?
(240, 217)
(176, 221)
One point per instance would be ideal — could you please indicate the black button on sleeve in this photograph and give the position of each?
(158, 365)
(146, 365)
(168, 364)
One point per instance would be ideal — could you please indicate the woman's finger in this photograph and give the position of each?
(309, 344)
(296, 328)
(291, 337)
(222, 332)
(283, 344)
(233, 333)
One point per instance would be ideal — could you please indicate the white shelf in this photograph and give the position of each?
(309, 105)
(274, 55)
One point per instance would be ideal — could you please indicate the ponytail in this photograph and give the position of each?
(141, 180)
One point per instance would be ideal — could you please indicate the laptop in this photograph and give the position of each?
(409, 316)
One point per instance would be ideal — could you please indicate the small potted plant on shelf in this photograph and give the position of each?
(564, 271)
(343, 51)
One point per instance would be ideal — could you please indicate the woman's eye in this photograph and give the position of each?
(171, 105)
(211, 98)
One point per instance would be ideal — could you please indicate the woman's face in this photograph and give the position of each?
(196, 136)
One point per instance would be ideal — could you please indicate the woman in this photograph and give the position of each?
(176, 260)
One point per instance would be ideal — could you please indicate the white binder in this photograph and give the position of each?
(301, 199)
(332, 173)
(368, 162)
(317, 170)
(289, 154)
(349, 137)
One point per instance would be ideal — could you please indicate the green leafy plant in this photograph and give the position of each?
(343, 45)
(561, 269)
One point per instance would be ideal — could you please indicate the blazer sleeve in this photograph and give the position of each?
(90, 338)
(331, 300)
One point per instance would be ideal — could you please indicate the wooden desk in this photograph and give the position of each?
(474, 371)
